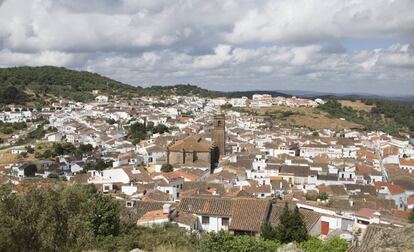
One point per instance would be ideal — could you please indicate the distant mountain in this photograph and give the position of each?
(316, 94)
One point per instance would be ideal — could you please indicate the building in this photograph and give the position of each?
(219, 133)
(193, 150)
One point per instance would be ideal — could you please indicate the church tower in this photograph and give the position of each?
(219, 132)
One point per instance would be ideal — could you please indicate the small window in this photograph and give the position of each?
(224, 221)
(205, 220)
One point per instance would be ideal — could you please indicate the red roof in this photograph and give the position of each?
(365, 213)
(394, 189)
(406, 162)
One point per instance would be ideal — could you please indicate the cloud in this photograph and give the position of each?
(219, 44)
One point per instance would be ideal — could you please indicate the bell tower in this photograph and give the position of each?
(219, 132)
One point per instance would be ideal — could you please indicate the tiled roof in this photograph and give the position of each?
(365, 212)
(191, 143)
(249, 214)
(406, 162)
(142, 207)
(206, 206)
(156, 195)
(185, 218)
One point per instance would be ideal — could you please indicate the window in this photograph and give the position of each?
(224, 221)
(205, 220)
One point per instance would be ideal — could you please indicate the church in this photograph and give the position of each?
(197, 152)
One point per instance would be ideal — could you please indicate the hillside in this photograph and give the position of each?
(26, 84)
(23, 84)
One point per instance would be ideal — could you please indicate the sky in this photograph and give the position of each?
(343, 46)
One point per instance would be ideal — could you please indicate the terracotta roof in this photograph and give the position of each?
(333, 190)
(191, 143)
(365, 212)
(258, 189)
(153, 215)
(185, 218)
(367, 239)
(142, 207)
(139, 174)
(394, 189)
(410, 200)
(249, 214)
(206, 206)
(406, 162)
(156, 195)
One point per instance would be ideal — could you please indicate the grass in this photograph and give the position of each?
(357, 105)
(312, 118)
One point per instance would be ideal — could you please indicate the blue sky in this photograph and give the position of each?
(363, 46)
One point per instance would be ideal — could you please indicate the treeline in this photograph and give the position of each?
(387, 116)
(79, 218)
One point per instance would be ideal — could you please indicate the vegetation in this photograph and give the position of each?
(10, 128)
(79, 218)
(167, 168)
(315, 197)
(411, 216)
(226, 106)
(291, 227)
(315, 245)
(224, 242)
(36, 134)
(74, 218)
(387, 116)
(99, 165)
(54, 81)
(139, 131)
(63, 148)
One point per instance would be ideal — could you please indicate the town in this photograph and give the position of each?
(206, 165)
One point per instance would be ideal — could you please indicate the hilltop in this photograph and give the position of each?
(38, 84)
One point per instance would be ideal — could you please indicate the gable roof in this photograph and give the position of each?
(249, 214)
(191, 143)
(206, 206)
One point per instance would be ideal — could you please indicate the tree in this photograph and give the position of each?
(167, 168)
(74, 218)
(291, 227)
(411, 217)
(267, 232)
(85, 148)
(334, 244)
(30, 149)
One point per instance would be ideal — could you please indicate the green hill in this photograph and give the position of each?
(22, 84)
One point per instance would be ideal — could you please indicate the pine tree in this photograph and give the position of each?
(291, 227)
(267, 232)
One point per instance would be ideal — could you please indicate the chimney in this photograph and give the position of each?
(166, 208)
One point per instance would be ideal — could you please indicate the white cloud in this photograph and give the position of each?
(222, 44)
